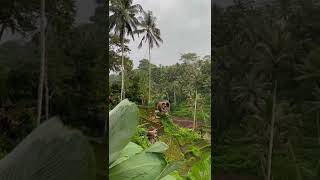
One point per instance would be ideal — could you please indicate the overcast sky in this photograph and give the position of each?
(84, 9)
(185, 27)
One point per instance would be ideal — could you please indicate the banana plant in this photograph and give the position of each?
(127, 160)
(51, 151)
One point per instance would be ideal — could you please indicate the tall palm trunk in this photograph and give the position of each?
(122, 70)
(46, 89)
(174, 96)
(299, 177)
(318, 127)
(149, 94)
(195, 111)
(272, 131)
(42, 62)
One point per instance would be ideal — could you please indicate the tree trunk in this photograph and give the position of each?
(2, 31)
(42, 63)
(122, 70)
(272, 131)
(149, 94)
(46, 89)
(263, 163)
(318, 127)
(174, 97)
(195, 111)
(299, 177)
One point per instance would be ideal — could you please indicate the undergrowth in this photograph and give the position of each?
(182, 133)
(185, 110)
(140, 137)
(184, 145)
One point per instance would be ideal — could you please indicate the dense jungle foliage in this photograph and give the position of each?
(183, 134)
(76, 70)
(266, 59)
(180, 153)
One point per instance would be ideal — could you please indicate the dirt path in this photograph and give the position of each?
(185, 122)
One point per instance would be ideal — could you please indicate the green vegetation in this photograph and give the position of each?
(185, 110)
(183, 153)
(266, 60)
(127, 159)
(62, 150)
(140, 137)
(74, 77)
(75, 72)
(186, 85)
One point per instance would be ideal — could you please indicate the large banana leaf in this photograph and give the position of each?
(158, 147)
(142, 166)
(165, 174)
(130, 150)
(133, 163)
(123, 120)
(168, 177)
(128, 161)
(50, 152)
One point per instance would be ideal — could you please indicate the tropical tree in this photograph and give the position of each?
(151, 35)
(267, 79)
(191, 65)
(272, 61)
(42, 62)
(123, 21)
(18, 16)
(58, 25)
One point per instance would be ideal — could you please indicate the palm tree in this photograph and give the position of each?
(42, 63)
(248, 92)
(315, 108)
(310, 67)
(123, 21)
(274, 52)
(151, 35)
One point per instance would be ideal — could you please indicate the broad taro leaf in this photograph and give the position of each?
(169, 169)
(56, 153)
(168, 177)
(142, 166)
(158, 147)
(123, 120)
(174, 176)
(130, 150)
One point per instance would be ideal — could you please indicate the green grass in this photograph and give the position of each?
(184, 144)
(140, 137)
(185, 110)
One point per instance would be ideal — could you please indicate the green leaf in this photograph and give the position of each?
(176, 175)
(123, 120)
(158, 147)
(143, 166)
(130, 150)
(170, 168)
(168, 177)
(201, 170)
(55, 151)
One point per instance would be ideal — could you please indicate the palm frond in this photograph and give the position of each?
(141, 42)
(148, 27)
(123, 19)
